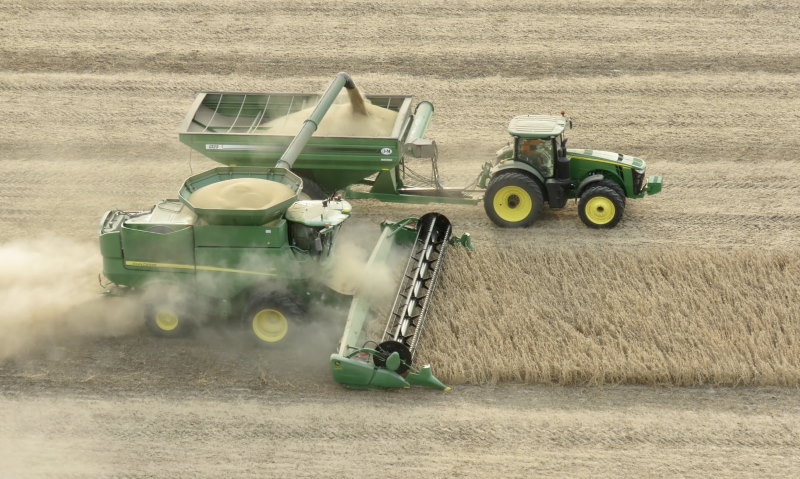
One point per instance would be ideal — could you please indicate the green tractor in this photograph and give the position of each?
(537, 167)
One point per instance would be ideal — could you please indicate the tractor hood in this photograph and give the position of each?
(607, 157)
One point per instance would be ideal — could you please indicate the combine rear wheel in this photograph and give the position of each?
(271, 320)
(513, 200)
(600, 207)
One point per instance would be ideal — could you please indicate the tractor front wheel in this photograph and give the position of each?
(513, 200)
(600, 207)
(271, 320)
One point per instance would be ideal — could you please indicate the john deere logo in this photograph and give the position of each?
(386, 151)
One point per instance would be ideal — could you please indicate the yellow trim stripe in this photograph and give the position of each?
(610, 162)
(147, 264)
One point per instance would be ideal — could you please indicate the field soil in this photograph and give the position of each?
(668, 346)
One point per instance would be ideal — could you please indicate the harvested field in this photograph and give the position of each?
(574, 352)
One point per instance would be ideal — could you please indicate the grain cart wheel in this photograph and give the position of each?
(600, 207)
(513, 200)
(272, 319)
(167, 311)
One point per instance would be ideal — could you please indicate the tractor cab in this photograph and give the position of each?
(538, 141)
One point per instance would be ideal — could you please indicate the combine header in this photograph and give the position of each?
(394, 354)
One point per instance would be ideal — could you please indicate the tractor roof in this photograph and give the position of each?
(536, 126)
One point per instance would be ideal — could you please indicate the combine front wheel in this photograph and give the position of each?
(167, 313)
(513, 200)
(600, 207)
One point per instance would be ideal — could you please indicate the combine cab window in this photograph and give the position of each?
(538, 153)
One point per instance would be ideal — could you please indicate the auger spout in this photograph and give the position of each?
(342, 80)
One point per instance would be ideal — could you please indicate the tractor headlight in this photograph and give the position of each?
(639, 181)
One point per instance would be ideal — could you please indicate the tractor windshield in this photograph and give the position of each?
(538, 153)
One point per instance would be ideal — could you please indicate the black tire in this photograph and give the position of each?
(311, 190)
(600, 207)
(613, 185)
(168, 312)
(270, 320)
(513, 200)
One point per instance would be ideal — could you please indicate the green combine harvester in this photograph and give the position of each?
(266, 264)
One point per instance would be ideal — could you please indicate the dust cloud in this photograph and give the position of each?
(50, 295)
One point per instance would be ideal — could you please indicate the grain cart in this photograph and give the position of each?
(264, 263)
(237, 128)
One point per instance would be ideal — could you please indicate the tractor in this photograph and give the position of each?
(536, 167)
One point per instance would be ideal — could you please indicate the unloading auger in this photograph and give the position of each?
(389, 363)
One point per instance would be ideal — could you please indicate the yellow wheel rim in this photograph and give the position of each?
(512, 203)
(270, 325)
(166, 320)
(600, 210)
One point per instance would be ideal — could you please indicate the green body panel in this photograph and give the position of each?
(271, 235)
(173, 251)
(620, 168)
(357, 374)
(224, 272)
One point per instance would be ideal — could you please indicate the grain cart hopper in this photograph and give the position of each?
(238, 128)
(534, 169)
(238, 242)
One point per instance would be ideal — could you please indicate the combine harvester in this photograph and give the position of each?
(204, 254)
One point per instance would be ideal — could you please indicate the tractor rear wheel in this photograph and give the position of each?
(600, 207)
(272, 319)
(513, 200)
(167, 312)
